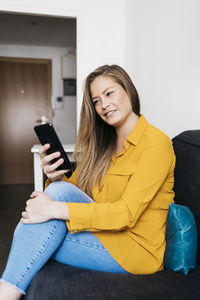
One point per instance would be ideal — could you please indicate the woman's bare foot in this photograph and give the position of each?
(7, 291)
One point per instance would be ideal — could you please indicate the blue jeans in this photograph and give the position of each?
(34, 244)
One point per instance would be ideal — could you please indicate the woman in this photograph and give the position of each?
(111, 214)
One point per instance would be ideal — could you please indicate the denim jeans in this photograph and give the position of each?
(34, 244)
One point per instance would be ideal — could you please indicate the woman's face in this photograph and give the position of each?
(111, 101)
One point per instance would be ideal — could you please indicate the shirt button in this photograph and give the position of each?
(85, 229)
(75, 230)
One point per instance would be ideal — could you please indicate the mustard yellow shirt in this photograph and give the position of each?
(129, 212)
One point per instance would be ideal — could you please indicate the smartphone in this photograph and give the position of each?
(47, 135)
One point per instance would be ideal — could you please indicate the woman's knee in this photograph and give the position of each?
(17, 229)
(55, 187)
(66, 192)
(59, 188)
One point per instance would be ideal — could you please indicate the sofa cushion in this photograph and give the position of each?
(187, 174)
(59, 281)
(181, 239)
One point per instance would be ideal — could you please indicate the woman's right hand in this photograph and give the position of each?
(48, 168)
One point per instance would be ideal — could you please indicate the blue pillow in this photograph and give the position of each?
(181, 239)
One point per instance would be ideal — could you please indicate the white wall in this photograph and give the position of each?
(100, 30)
(162, 55)
(64, 120)
(157, 41)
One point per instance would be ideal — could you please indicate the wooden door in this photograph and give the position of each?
(25, 96)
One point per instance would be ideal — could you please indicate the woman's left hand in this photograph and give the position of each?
(39, 208)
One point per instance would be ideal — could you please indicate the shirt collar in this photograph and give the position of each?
(138, 130)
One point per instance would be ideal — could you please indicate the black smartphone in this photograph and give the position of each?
(47, 135)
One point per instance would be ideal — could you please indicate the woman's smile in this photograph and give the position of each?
(110, 113)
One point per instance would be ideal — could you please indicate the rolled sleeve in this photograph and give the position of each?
(97, 216)
(154, 167)
(80, 216)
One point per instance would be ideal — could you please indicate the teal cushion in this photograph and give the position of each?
(181, 239)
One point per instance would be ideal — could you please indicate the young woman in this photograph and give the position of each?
(111, 214)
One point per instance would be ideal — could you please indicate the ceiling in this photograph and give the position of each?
(18, 29)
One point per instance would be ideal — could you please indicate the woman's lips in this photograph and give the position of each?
(109, 113)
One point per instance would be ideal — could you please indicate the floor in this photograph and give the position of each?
(12, 202)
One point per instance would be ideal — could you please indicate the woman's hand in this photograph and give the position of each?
(39, 208)
(48, 168)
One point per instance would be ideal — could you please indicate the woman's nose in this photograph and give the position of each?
(104, 103)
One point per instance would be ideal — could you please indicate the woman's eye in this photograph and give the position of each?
(109, 93)
(95, 102)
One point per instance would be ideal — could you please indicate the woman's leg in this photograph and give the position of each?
(84, 250)
(34, 244)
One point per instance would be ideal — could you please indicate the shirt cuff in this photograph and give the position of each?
(80, 217)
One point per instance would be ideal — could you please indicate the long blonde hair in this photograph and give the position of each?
(96, 141)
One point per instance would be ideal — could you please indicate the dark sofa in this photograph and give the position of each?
(56, 281)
